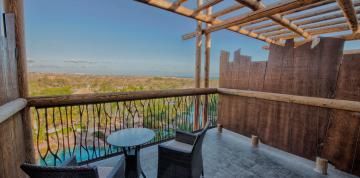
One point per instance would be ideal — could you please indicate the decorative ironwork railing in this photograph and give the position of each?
(79, 124)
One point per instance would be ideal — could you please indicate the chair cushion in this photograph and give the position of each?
(104, 172)
(179, 145)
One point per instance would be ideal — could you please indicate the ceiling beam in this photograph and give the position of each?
(207, 5)
(260, 28)
(204, 18)
(227, 10)
(317, 31)
(272, 9)
(256, 5)
(301, 23)
(302, 8)
(307, 27)
(347, 8)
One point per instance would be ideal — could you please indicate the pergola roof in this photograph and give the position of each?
(276, 22)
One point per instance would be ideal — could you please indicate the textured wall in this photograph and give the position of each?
(306, 131)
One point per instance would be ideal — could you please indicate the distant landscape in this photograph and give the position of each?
(47, 84)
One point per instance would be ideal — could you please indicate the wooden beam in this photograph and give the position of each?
(198, 68)
(317, 31)
(320, 12)
(191, 35)
(307, 27)
(304, 100)
(207, 5)
(207, 68)
(93, 98)
(273, 9)
(207, 53)
(256, 5)
(301, 23)
(324, 24)
(17, 8)
(204, 18)
(227, 10)
(307, 7)
(261, 28)
(347, 8)
(9, 109)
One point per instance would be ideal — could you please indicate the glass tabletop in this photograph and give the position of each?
(130, 137)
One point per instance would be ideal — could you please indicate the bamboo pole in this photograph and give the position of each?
(198, 68)
(207, 68)
(16, 7)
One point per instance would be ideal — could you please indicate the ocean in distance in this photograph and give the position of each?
(117, 68)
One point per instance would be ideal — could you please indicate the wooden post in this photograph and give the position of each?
(16, 7)
(219, 127)
(254, 141)
(321, 165)
(207, 68)
(198, 68)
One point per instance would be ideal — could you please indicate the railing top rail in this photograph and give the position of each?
(67, 100)
(9, 109)
(346, 105)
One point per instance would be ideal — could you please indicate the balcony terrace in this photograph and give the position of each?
(302, 104)
(229, 154)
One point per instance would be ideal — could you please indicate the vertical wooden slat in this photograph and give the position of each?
(256, 80)
(16, 7)
(223, 108)
(342, 143)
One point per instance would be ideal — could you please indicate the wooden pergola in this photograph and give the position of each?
(302, 20)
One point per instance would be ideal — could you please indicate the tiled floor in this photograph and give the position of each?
(230, 155)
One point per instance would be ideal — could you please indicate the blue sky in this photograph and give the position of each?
(121, 37)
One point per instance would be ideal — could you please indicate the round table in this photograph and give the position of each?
(130, 141)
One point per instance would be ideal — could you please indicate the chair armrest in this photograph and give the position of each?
(119, 169)
(70, 162)
(185, 137)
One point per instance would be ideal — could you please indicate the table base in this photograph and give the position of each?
(132, 162)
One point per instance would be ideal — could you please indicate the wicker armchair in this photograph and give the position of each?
(182, 157)
(70, 169)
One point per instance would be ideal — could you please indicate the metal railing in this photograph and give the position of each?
(79, 124)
